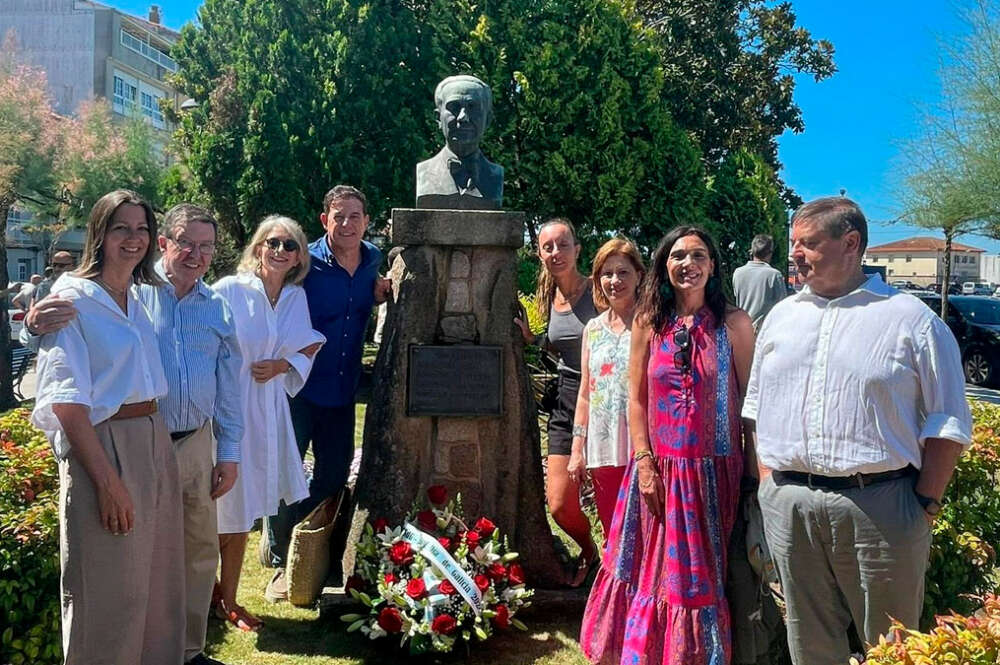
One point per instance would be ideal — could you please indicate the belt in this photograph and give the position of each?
(177, 436)
(859, 480)
(135, 410)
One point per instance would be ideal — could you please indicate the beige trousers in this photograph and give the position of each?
(201, 538)
(123, 596)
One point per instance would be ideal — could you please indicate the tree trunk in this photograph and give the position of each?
(946, 281)
(7, 399)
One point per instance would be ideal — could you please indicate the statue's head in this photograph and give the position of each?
(465, 108)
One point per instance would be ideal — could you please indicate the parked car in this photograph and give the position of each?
(16, 319)
(975, 321)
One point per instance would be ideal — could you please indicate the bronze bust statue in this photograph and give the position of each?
(460, 177)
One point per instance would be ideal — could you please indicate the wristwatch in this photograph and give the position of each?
(930, 505)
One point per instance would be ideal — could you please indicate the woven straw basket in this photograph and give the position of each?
(309, 552)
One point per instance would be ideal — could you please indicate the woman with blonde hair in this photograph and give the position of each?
(99, 379)
(565, 298)
(277, 343)
(600, 431)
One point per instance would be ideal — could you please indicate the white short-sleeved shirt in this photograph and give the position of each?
(855, 384)
(101, 360)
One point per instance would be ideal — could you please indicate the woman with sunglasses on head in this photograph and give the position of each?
(565, 298)
(601, 444)
(99, 379)
(659, 596)
(277, 343)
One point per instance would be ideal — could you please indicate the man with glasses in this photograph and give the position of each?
(201, 360)
(62, 261)
(342, 286)
(857, 394)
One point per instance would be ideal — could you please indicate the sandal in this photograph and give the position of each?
(243, 620)
(585, 570)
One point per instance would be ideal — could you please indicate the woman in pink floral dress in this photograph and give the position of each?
(659, 596)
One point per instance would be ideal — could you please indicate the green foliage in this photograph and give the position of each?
(967, 531)
(743, 201)
(296, 96)
(729, 67)
(29, 545)
(963, 640)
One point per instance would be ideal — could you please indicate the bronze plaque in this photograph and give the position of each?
(459, 380)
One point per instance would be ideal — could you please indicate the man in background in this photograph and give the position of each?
(758, 286)
(62, 261)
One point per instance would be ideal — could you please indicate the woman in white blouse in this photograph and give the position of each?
(278, 344)
(122, 533)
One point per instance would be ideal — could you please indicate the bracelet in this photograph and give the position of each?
(644, 453)
(580, 431)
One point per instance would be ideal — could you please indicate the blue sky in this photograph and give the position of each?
(887, 54)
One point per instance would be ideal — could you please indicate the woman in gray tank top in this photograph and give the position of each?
(565, 297)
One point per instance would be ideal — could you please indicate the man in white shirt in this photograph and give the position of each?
(23, 299)
(857, 394)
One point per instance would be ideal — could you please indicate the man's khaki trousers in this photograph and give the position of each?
(846, 555)
(201, 539)
(123, 596)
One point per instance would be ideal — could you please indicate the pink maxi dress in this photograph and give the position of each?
(659, 597)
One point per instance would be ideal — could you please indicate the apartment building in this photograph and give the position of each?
(920, 260)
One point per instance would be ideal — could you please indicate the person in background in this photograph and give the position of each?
(757, 286)
(62, 261)
(566, 298)
(659, 595)
(194, 331)
(600, 431)
(858, 397)
(342, 286)
(277, 344)
(120, 507)
(23, 299)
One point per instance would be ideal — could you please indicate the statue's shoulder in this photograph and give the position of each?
(435, 163)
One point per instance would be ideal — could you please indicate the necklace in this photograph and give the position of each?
(120, 293)
(571, 297)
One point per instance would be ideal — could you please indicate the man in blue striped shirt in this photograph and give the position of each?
(195, 332)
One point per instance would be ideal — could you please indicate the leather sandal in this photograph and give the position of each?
(243, 620)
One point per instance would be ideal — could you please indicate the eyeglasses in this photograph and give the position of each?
(61, 266)
(682, 357)
(287, 244)
(204, 248)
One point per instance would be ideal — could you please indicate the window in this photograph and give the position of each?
(125, 94)
(890, 269)
(151, 109)
(23, 270)
(150, 52)
(908, 258)
(874, 259)
(890, 259)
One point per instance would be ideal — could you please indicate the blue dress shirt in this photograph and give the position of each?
(339, 305)
(201, 360)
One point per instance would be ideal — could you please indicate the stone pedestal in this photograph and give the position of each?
(454, 283)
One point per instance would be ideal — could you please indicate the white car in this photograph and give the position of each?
(16, 319)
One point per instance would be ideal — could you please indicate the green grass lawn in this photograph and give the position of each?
(294, 636)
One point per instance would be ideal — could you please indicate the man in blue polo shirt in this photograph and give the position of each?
(342, 286)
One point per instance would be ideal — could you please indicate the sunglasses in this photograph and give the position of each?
(682, 357)
(287, 244)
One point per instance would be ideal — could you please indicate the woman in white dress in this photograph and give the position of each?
(278, 344)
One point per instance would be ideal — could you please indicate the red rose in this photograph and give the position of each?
(515, 574)
(354, 582)
(444, 624)
(502, 619)
(427, 520)
(416, 589)
(485, 527)
(496, 571)
(482, 582)
(472, 539)
(390, 578)
(445, 542)
(401, 553)
(437, 494)
(381, 524)
(390, 620)
(446, 588)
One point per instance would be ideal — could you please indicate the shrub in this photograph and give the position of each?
(29, 544)
(965, 640)
(967, 532)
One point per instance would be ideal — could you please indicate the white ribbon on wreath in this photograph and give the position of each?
(442, 561)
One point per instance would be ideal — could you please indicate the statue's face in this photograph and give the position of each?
(463, 116)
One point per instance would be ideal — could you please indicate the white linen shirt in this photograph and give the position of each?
(101, 360)
(855, 384)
